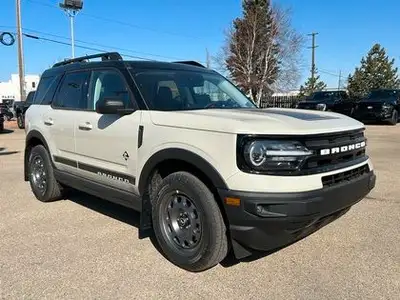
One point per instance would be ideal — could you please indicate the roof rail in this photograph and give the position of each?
(103, 56)
(190, 62)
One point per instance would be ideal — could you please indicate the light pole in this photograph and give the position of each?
(21, 68)
(71, 8)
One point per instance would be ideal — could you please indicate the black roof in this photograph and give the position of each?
(115, 60)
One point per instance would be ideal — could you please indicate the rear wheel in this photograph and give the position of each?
(395, 117)
(188, 223)
(21, 121)
(41, 175)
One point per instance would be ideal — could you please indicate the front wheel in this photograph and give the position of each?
(188, 223)
(395, 117)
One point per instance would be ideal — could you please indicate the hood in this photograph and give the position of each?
(257, 121)
(379, 100)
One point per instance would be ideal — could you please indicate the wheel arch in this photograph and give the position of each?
(184, 156)
(33, 138)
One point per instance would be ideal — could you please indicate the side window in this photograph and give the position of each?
(108, 84)
(72, 93)
(46, 89)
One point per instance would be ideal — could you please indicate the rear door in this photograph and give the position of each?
(59, 119)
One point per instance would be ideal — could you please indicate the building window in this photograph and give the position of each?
(33, 85)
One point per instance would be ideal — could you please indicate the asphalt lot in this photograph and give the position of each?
(84, 247)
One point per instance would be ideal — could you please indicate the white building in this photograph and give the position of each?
(9, 90)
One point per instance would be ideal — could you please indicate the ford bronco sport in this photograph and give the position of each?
(208, 170)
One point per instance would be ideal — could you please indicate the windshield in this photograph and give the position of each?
(188, 90)
(383, 94)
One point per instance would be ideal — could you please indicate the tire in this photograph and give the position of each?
(41, 176)
(21, 121)
(395, 117)
(206, 242)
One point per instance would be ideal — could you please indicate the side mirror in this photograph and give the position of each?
(109, 106)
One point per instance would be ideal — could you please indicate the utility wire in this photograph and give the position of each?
(80, 46)
(27, 30)
(109, 20)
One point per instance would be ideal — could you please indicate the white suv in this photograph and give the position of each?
(209, 172)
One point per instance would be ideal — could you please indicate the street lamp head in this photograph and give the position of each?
(72, 4)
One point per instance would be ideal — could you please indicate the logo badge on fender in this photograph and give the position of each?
(337, 150)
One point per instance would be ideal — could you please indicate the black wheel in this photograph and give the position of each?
(21, 121)
(188, 223)
(41, 176)
(395, 117)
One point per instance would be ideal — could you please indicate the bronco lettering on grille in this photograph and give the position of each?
(342, 149)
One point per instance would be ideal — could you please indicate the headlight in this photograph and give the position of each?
(273, 155)
(321, 106)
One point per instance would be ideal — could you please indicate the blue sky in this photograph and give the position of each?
(184, 29)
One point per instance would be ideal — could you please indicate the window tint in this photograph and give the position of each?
(72, 93)
(46, 89)
(108, 84)
(29, 98)
(44, 85)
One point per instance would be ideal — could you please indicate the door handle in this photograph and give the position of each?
(48, 122)
(85, 126)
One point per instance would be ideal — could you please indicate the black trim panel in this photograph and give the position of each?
(106, 192)
(140, 136)
(107, 173)
(65, 161)
(95, 170)
(181, 155)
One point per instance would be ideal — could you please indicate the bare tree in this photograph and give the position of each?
(290, 43)
(261, 50)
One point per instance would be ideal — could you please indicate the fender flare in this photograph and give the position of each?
(182, 155)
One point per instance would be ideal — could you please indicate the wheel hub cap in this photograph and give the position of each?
(182, 222)
(38, 174)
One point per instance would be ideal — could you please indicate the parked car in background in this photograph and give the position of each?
(21, 107)
(1, 122)
(6, 112)
(336, 101)
(381, 105)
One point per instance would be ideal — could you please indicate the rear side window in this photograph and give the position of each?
(73, 91)
(46, 89)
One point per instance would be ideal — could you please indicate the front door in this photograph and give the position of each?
(106, 144)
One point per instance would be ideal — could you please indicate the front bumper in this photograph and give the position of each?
(373, 115)
(267, 221)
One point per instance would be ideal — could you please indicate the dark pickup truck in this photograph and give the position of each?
(1, 121)
(21, 107)
(381, 105)
(336, 101)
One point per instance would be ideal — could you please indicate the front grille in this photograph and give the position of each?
(334, 143)
(368, 106)
(334, 179)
